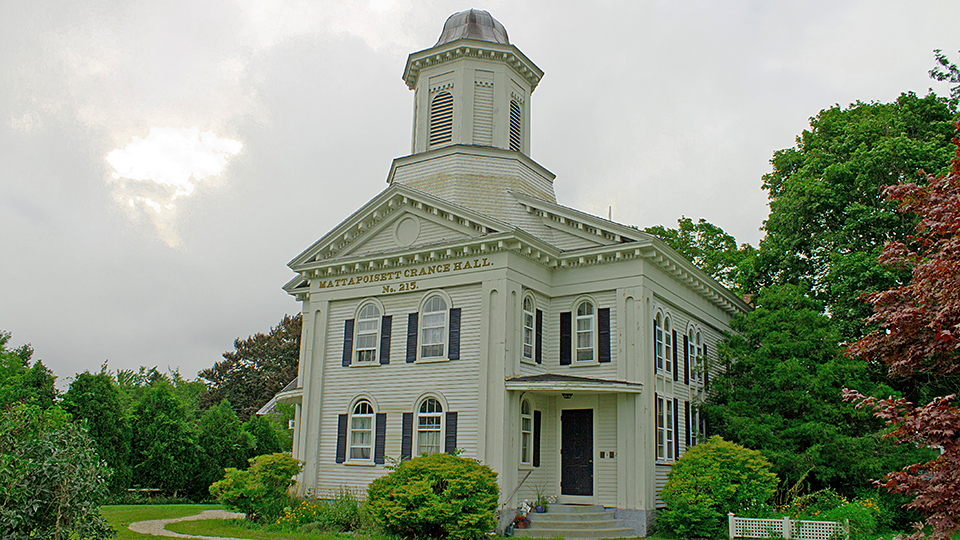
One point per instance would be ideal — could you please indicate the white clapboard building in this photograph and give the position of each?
(463, 309)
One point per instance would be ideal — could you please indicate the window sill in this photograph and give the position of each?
(360, 463)
(585, 363)
(432, 360)
(529, 361)
(364, 364)
(526, 467)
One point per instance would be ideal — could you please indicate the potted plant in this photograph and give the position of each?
(521, 521)
(541, 503)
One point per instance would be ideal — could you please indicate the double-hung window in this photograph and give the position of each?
(665, 434)
(526, 433)
(658, 338)
(529, 334)
(667, 345)
(433, 329)
(368, 333)
(585, 332)
(430, 427)
(361, 432)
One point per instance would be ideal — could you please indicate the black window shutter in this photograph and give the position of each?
(603, 334)
(406, 436)
(686, 359)
(537, 419)
(380, 442)
(706, 367)
(451, 436)
(565, 329)
(539, 356)
(386, 326)
(412, 337)
(342, 438)
(676, 371)
(686, 421)
(676, 429)
(454, 341)
(347, 342)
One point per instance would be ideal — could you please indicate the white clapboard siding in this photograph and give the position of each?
(395, 388)
(483, 109)
(661, 480)
(606, 441)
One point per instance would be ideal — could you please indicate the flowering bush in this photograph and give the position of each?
(828, 505)
(342, 513)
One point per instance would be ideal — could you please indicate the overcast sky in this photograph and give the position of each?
(161, 162)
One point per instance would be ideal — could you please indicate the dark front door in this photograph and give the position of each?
(576, 452)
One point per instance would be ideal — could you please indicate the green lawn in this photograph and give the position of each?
(121, 516)
(235, 529)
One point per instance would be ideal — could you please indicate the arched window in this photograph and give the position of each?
(430, 427)
(361, 431)
(529, 332)
(368, 333)
(441, 119)
(585, 330)
(658, 335)
(667, 345)
(699, 363)
(433, 330)
(526, 433)
(516, 123)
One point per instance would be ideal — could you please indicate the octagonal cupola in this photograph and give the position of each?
(472, 88)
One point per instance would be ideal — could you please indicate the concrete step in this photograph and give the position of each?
(578, 525)
(615, 532)
(574, 521)
(569, 518)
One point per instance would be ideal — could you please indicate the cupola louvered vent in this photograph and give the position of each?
(515, 125)
(441, 119)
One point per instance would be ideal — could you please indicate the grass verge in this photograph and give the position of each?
(232, 528)
(120, 516)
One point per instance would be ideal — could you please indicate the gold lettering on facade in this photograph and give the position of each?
(440, 268)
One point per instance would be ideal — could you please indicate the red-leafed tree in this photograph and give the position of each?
(918, 334)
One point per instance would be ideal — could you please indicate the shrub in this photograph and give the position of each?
(343, 513)
(53, 480)
(260, 491)
(827, 505)
(711, 479)
(437, 496)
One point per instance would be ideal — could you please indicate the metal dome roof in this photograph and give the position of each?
(473, 24)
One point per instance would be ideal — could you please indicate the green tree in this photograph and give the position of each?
(96, 400)
(52, 480)
(163, 449)
(949, 72)
(258, 368)
(781, 394)
(224, 442)
(828, 218)
(21, 382)
(264, 436)
(712, 250)
(709, 481)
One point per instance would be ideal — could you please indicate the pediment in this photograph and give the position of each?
(398, 218)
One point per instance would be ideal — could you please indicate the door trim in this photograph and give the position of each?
(588, 401)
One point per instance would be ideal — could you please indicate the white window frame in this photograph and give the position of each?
(591, 332)
(373, 353)
(668, 344)
(355, 450)
(438, 427)
(444, 329)
(661, 435)
(526, 433)
(658, 339)
(701, 360)
(528, 333)
(668, 439)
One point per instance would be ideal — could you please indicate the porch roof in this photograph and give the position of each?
(557, 384)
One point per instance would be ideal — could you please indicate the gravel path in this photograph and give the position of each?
(156, 526)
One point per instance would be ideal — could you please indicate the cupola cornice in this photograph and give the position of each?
(470, 48)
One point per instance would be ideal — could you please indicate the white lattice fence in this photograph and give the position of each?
(786, 528)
